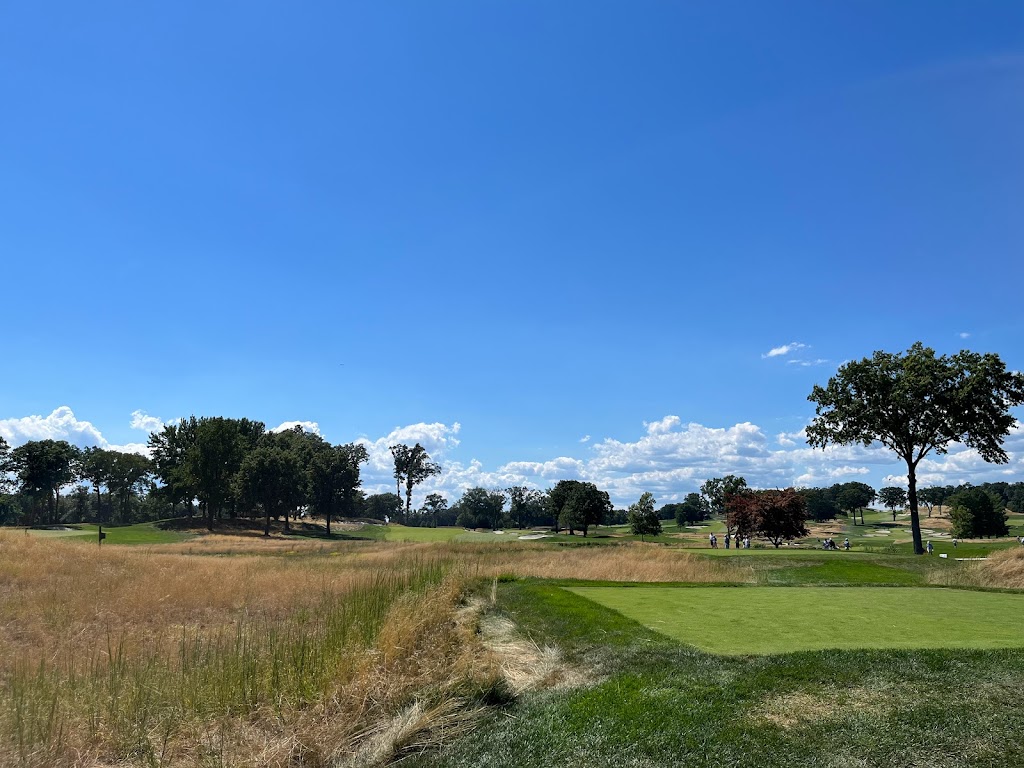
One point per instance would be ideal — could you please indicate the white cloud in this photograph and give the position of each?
(307, 426)
(964, 335)
(62, 424)
(807, 363)
(585, 439)
(145, 422)
(785, 349)
(662, 426)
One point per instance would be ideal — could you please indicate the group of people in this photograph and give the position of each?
(743, 543)
(830, 543)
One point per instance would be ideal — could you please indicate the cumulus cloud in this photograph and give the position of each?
(585, 439)
(307, 426)
(145, 422)
(785, 349)
(62, 424)
(662, 426)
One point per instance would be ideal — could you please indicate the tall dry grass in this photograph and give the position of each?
(627, 562)
(1003, 569)
(250, 652)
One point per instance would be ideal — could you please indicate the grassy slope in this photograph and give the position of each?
(783, 619)
(140, 533)
(657, 703)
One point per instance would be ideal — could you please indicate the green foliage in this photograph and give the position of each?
(527, 507)
(382, 506)
(692, 509)
(271, 477)
(577, 505)
(43, 467)
(643, 519)
(853, 496)
(976, 513)
(717, 490)
(893, 498)
(917, 403)
(821, 504)
(480, 508)
(413, 466)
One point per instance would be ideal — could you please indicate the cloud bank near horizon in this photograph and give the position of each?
(669, 458)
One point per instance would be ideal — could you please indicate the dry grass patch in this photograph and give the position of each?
(1003, 569)
(628, 562)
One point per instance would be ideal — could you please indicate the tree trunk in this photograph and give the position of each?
(266, 523)
(915, 520)
(99, 506)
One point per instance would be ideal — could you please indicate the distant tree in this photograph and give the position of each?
(692, 509)
(741, 513)
(853, 497)
(1016, 498)
(774, 515)
(334, 479)
(716, 493)
(480, 508)
(781, 515)
(215, 457)
(413, 466)
(127, 475)
(821, 504)
(893, 497)
(270, 477)
(526, 505)
(44, 467)
(717, 490)
(382, 506)
(94, 466)
(433, 508)
(578, 505)
(916, 404)
(932, 496)
(6, 467)
(643, 519)
(976, 513)
(169, 450)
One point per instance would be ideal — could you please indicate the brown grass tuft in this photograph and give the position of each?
(628, 562)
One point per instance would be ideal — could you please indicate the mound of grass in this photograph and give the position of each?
(765, 620)
(655, 703)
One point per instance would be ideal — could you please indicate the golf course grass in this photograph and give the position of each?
(768, 620)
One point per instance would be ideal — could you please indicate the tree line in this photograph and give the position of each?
(220, 468)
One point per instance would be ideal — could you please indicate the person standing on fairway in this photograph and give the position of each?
(726, 539)
(846, 543)
(929, 548)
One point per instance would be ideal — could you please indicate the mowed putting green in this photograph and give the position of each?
(764, 620)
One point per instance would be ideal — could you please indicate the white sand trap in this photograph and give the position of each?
(533, 536)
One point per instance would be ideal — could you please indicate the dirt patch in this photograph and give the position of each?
(792, 710)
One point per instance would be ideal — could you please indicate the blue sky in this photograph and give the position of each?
(537, 221)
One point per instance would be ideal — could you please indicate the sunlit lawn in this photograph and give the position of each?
(759, 620)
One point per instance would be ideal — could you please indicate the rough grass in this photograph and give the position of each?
(119, 656)
(1003, 569)
(658, 704)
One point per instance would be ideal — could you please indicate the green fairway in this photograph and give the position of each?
(396, 532)
(761, 620)
(140, 533)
